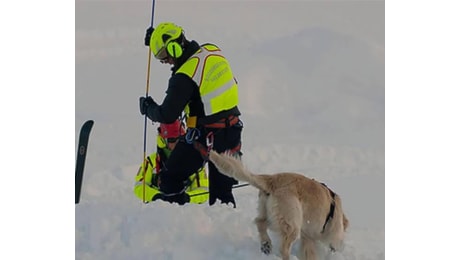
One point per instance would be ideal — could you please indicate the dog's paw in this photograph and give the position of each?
(266, 247)
(332, 248)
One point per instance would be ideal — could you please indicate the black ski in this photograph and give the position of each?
(81, 156)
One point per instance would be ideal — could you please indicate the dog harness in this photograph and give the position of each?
(332, 208)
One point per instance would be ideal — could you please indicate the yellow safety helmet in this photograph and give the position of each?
(163, 41)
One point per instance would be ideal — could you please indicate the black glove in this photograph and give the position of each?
(144, 103)
(148, 35)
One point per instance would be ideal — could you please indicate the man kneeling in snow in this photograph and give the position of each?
(167, 138)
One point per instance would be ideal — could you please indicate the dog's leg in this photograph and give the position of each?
(336, 235)
(289, 217)
(262, 224)
(335, 232)
(288, 237)
(265, 241)
(307, 248)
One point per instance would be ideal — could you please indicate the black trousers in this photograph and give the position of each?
(186, 160)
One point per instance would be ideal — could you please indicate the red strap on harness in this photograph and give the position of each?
(224, 122)
(204, 151)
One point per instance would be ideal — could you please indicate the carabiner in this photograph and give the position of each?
(209, 141)
(192, 135)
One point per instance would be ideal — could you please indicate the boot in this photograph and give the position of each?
(225, 198)
(180, 199)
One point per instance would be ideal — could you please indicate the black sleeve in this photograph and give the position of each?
(178, 94)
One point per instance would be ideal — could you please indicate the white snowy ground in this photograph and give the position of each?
(311, 79)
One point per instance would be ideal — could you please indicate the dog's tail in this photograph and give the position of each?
(233, 167)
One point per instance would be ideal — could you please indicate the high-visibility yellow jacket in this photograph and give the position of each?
(202, 85)
(198, 182)
(212, 73)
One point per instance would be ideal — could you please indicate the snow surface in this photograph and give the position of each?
(311, 78)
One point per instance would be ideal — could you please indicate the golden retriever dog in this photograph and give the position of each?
(291, 205)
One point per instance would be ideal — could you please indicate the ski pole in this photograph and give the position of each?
(145, 116)
(234, 187)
